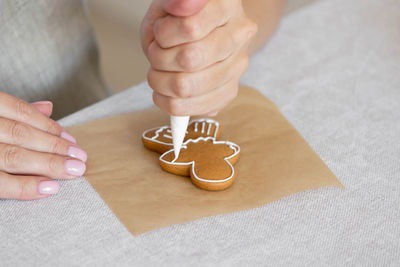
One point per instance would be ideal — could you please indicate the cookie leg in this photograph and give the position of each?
(212, 185)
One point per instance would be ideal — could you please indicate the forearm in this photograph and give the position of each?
(267, 14)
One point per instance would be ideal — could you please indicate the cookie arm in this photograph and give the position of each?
(179, 168)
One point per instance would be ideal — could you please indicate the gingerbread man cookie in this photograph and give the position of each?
(208, 162)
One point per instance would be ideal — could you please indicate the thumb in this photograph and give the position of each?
(183, 8)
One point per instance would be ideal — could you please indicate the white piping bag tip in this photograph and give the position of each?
(178, 127)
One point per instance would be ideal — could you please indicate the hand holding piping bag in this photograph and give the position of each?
(198, 50)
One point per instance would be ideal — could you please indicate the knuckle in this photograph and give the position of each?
(19, 132)
(160, 32)
(151, 78)
(11, 157)
(242, 34)
(191, 28)
(245, 63)
(248, 23)
(58, 146)
(182, 86)
(253, 26)
(234, 92)
(53, 127)
(189, 58)
(155, 99)
(22, 109)
(23, 189)
(53, 164)
(155, 55)
(158, 28)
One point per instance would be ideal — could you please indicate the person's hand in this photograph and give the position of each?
(198, 50)
(33, 149)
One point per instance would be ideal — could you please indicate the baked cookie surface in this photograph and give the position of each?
(208, 162)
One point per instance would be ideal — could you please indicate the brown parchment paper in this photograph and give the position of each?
(275, 161)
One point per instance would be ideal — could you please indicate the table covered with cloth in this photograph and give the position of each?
(333, 69)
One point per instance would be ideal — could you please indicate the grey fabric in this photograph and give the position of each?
(293, 5)
(333, 69)
(48, 52)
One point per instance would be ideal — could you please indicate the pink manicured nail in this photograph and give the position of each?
(75, 167)
(76, 152)
(41, 106)
(42, 103)
(68, 137)
(48, 187)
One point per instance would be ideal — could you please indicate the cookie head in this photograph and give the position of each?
(208, 162)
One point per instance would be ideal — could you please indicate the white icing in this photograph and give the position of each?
(209, 129)
(162, 128)
(195, 126)
(233, 146)
(154, 138)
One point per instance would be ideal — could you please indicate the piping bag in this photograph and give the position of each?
(178, 127)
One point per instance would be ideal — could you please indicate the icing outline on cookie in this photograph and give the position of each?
(154, 138)
(231, 145)
(196, 123)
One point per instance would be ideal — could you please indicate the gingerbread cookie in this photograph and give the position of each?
(207, 161)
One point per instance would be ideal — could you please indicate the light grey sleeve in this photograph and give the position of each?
(48, 52)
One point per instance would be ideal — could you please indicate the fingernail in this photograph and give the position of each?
(42, 103)
(48, 187)
(68, 137)
(76, 152)
(75, 167)
(42, 106)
